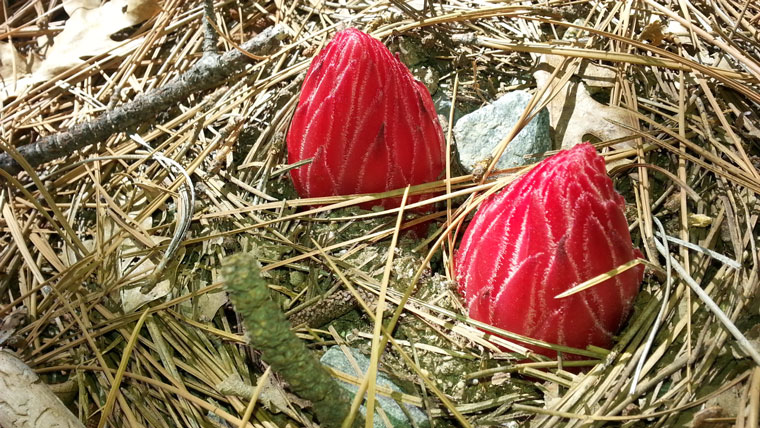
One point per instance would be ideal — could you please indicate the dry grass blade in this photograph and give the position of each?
(585, 285)
(371, 378)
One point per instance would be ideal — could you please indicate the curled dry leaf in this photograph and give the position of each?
(574, 114)
(87, 33)
(653, 33)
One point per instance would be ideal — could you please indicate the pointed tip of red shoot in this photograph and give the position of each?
(365, 121)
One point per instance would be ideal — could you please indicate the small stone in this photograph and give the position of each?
(478, 133)
(411, 52)
(297, 278)
(427, 75)
(335, 358)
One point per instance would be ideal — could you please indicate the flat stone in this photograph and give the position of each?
(478, 133)
(427, 75)
(336, 359)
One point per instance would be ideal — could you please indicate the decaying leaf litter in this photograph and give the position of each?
(108, 318)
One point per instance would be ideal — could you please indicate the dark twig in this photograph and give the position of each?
(205, 74)
(329, 308)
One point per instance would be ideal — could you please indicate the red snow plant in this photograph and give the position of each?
(559, 225)
(366, 122)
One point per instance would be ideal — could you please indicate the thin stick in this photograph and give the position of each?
(203, 75)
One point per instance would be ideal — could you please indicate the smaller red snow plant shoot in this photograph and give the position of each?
(559, 225)
(368, 125)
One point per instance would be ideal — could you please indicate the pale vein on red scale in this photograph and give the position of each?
(557, 226)
(367, 123)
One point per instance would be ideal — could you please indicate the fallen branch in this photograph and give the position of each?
(269, 332)
(208, 72)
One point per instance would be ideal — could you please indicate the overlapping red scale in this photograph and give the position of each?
(557, 226)
(367, 123)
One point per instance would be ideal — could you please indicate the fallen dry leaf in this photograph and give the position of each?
(88, 30)
(87, 33)
(11, 323)
(12, 63)
(133, 298)
(653, 33)
(702, 418)
(573, 113)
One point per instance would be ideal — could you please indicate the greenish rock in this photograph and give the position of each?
(336, 359)
(478, 133)
(297, 278)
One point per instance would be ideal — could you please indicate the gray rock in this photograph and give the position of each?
(478, 133)
(335, 358)
(442, 104)
(411, 52)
